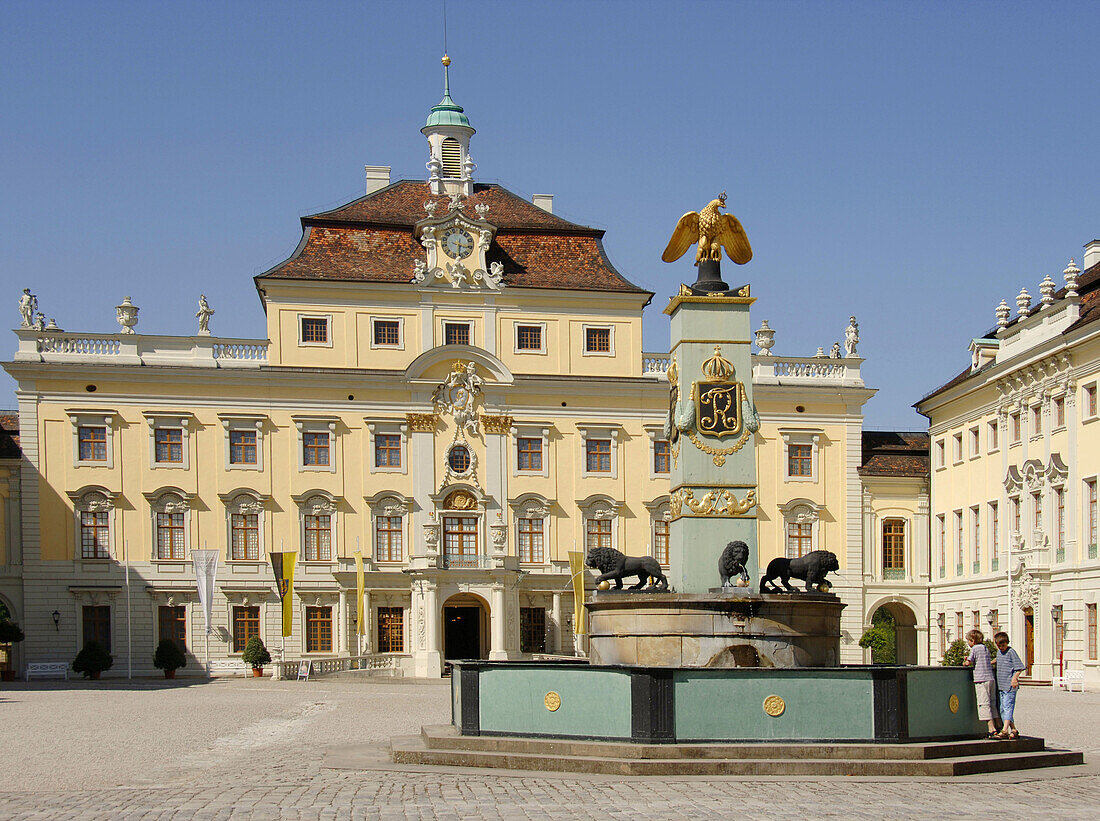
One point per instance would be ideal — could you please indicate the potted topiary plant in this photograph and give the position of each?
(92, 660)
(956, 654)
(10, 633)
(256, 655)
(169, 657)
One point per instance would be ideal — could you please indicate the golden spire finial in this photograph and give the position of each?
(446, 60)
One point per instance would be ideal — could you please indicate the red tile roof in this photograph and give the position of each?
(9, 436)
(371, 240)
(894, 453)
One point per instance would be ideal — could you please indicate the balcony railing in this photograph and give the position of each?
(805, 369)
(894, 574)
(140, 349)
(655, 364)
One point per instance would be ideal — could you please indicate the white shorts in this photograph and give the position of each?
(983, 692)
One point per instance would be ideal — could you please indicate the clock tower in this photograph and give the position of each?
(450, 169)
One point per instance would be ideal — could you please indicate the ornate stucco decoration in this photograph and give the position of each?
(496, 424)
(714, 502)
(1013, 480)
(498, 534)
(460, 500)
(463, 264)
(1033, 474)
(458, 396)
(1026, 591)
(431, 530)
(421, 422)
(319, 506)
(1056, 470)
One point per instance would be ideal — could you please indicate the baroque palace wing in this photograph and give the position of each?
(685, 235)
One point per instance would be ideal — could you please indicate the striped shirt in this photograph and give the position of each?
(1007, 664)
(983, 668)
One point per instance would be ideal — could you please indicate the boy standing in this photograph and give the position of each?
(984, 686)
(1009, 668)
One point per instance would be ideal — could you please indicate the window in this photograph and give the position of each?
(1014, 513)
(92, 443)
(799, 539)
(994, 533)
(660, 541)
(97, 624)
(597, 533)
(387, 450)
(893, 544)
(391, 630)
(943, 632)
(318, 629)
(1060, 412)
(975, 444)
(529, 453)
(941, 535)
(1090, 629)
(318, 538)
(173, 624)
(460, 541)
(168, 443)
(994, 620)
(957, 447)
(458, 459)
(1059, 631)
(661, 460)
(1037, 509)
(975, 620)
(976, 536)
(597, 340)
(1060, 523)
(598, 455)
(941, 458)
(1036, 420)
(991, 432)
(456, 333)
(451, 156)
(244, 538)
(532, 630)
(315, 449)
(314, 330)
(958, 542)
(529, 338)
(387, 333)
(1090, 517)
(530, 541)
(389, 543)
(242, 447)
(171, 539)
(246, 624)
(1014, 426)
(958, 625)
(95, 534)
(799, 460)
(1090, 401)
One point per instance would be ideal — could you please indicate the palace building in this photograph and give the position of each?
(453, 387)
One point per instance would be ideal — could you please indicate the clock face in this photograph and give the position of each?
(458, 243)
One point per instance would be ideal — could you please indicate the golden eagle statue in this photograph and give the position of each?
(713, 231)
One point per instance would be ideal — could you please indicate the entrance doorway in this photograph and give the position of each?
(465, 628)
(1029, 640)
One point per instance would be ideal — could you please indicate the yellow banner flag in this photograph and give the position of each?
(282, 565)
(576, 570)
(361, 623)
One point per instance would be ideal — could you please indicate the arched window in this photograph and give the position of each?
(893, 547)
(452, 158)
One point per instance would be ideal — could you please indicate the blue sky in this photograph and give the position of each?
(909, 163)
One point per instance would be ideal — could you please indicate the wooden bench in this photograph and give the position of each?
(48, 669)
(229, 667)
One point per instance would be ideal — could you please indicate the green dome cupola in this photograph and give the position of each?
(448, 131)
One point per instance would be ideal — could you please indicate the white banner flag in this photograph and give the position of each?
(206, 569)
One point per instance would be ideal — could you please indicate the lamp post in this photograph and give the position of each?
(56, 621)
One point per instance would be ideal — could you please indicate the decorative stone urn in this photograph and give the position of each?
(127, 315)
(765, 338)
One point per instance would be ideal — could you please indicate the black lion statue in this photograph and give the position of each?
(811, 568)
(613, 565)
(732, 563)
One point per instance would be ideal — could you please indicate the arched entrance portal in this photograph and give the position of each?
(465, 628)
(896, 618)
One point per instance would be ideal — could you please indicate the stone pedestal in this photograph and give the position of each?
(719, 628)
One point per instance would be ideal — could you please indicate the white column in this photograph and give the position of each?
(556, 619)
(498, 619)
(433, 617)
(342, 621)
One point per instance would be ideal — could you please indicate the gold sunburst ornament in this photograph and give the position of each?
(774, 706)
(552, 701)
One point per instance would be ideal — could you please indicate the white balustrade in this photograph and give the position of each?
(140, 349)
(655, 364)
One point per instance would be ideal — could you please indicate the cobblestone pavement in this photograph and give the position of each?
(236, 749)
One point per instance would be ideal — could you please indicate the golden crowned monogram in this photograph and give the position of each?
(718, 398)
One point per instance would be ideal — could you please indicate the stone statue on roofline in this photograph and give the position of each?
(28, 305)
(203, 315)
(851, 337)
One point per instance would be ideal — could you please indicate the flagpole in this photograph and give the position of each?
(129, 622)
(207, 632)
(282, 638)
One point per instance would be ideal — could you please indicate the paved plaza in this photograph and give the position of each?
(243, 748)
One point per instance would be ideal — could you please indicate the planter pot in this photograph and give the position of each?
(7, 675)
(257, 672)
(169, 673)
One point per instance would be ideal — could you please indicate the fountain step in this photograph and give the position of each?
(437, 746)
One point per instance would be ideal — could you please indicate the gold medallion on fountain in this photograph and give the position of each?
(953, 703)
(774, 706)
(552, 701)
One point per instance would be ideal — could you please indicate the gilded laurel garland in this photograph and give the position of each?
(720, 454)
